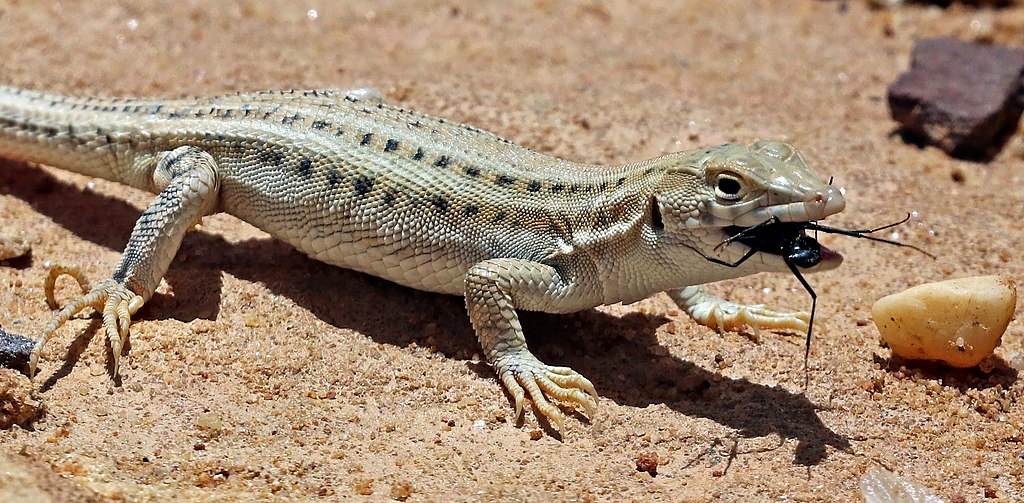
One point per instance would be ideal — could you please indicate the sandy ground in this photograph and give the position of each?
(258, 374)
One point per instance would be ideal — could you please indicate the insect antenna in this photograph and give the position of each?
(862, 233)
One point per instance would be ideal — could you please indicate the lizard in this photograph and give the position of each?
(428, 203)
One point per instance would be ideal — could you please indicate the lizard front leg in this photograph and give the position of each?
(189, 186)
(722, 315)
(494, 289)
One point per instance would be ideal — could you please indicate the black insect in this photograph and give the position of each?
(790, 241)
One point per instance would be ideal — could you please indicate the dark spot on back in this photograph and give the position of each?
(363, 185)
(500, 216)
(505, 180)
(366, 139)
(389, 197)
(442, 162)
(306, 167)
(418, 155)
(270, 157)
(470, 210)
(439, 202)
(556, 188)
(391, 145)
(620, 181)
(333, 177)
(534, 186)
(471, 171)
(320, 125)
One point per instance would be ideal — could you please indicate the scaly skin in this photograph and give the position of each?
(427, 203)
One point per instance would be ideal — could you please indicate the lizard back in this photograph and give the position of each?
(364, 185)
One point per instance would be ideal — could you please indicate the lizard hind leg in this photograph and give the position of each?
(189, 189)
(492, 289)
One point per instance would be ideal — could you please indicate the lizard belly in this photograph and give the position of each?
(431, 270)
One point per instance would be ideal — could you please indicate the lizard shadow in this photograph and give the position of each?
(628, 372)
(388, 313)
(622, 368)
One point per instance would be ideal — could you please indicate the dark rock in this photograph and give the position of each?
(963, 97)
(15, 351)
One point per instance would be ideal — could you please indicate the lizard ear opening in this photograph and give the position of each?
(656, 222)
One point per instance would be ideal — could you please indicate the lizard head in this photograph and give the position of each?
(759, 192)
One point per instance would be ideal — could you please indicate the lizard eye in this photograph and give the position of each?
(728, 187)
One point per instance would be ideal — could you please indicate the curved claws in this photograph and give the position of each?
(115, 301)
(539, 382)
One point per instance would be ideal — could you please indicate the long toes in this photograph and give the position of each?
(55, 273)
(575, 381)
(545, 407)
(517, 392)
(566, 376)
(766, 318)
(114, 300)
(566, 393)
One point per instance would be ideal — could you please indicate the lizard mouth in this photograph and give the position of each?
(788, 240)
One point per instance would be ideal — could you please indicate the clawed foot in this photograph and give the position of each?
(721, 315)
(526, 375)
(115, 301)
(729, 316)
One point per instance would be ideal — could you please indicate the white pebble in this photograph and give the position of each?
(958, 322)
(883, 486)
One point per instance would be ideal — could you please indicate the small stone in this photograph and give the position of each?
(15, 351)
(883, 486)
(401, 490)
(17, 405)
(958, 322)
(363, 487)
(647, 462)
(959, 96)
(209, 421)
(13, 246)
